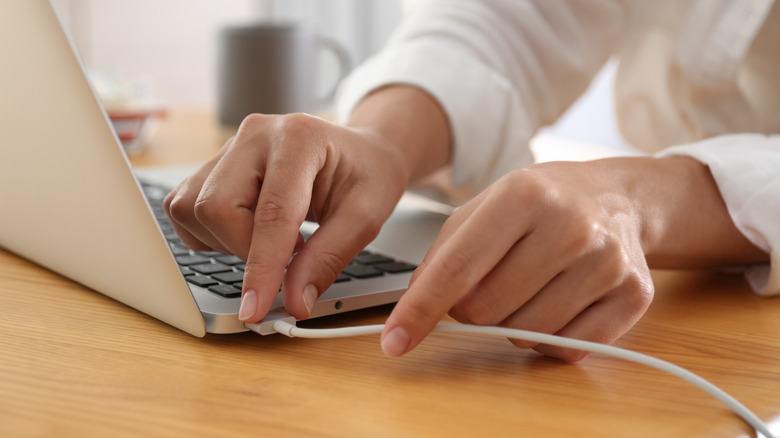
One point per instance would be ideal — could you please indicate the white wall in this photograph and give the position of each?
(168, 47)
(164, 46)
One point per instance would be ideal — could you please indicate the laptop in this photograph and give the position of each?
(70, 202)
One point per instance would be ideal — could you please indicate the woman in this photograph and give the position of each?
(560, 247)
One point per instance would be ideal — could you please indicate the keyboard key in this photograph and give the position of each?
(201, 280)
(228, 259)
(361, 271)
(192, 260)
(226, 290)
(179, 250)
(229, 277)
(222, 274)
(210, 268)
(395, 267)
(370, 259)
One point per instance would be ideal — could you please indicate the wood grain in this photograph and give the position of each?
(75, 363)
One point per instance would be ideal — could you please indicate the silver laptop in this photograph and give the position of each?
(70, 201)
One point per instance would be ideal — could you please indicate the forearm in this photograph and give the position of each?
(685, 222)
(410, 120)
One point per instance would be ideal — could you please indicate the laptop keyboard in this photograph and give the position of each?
(223, 274)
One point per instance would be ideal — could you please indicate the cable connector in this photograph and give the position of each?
(266, 325)
(285, 327)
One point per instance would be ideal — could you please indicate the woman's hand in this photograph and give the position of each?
(252, 197)
(563, 248)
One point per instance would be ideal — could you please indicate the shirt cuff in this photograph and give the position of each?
(745, 168)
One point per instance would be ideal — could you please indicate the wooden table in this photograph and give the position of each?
(74, 363)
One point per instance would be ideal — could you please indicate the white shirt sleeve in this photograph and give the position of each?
(746, 168)
(499, 68)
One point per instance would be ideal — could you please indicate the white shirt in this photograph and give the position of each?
(696, 78)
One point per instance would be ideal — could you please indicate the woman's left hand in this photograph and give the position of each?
(563, 248)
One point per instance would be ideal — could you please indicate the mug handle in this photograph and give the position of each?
(345, 65)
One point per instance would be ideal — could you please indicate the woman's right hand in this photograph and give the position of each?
(252, 197)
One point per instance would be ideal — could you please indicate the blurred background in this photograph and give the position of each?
(168, 47)
(164, 52)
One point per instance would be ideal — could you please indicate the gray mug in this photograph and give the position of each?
(272, 68)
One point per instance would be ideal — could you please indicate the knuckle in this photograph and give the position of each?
(258, 269)
(532, 187)
(269, 211)
(620, 273)
(298, 128)
(466, 314)
(615, 265)
(473, 309)
(253, 121)
(418, 310)
(331, 263)
(450, 225)
(207, 210)
(516, 179)
(273, 210)
(585, 235)
(168, 199)
(455, 265)
(638, 292)
(180, 208)
(299, 120)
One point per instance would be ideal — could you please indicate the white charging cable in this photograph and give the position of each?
(285, 325)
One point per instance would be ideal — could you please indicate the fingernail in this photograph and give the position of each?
(395, 342)
(248, 305)
(310, 296)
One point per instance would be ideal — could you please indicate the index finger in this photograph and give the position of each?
(468, 254)
(281, 208)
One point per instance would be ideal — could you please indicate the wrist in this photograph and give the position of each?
(684, 222)
(409, 121)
